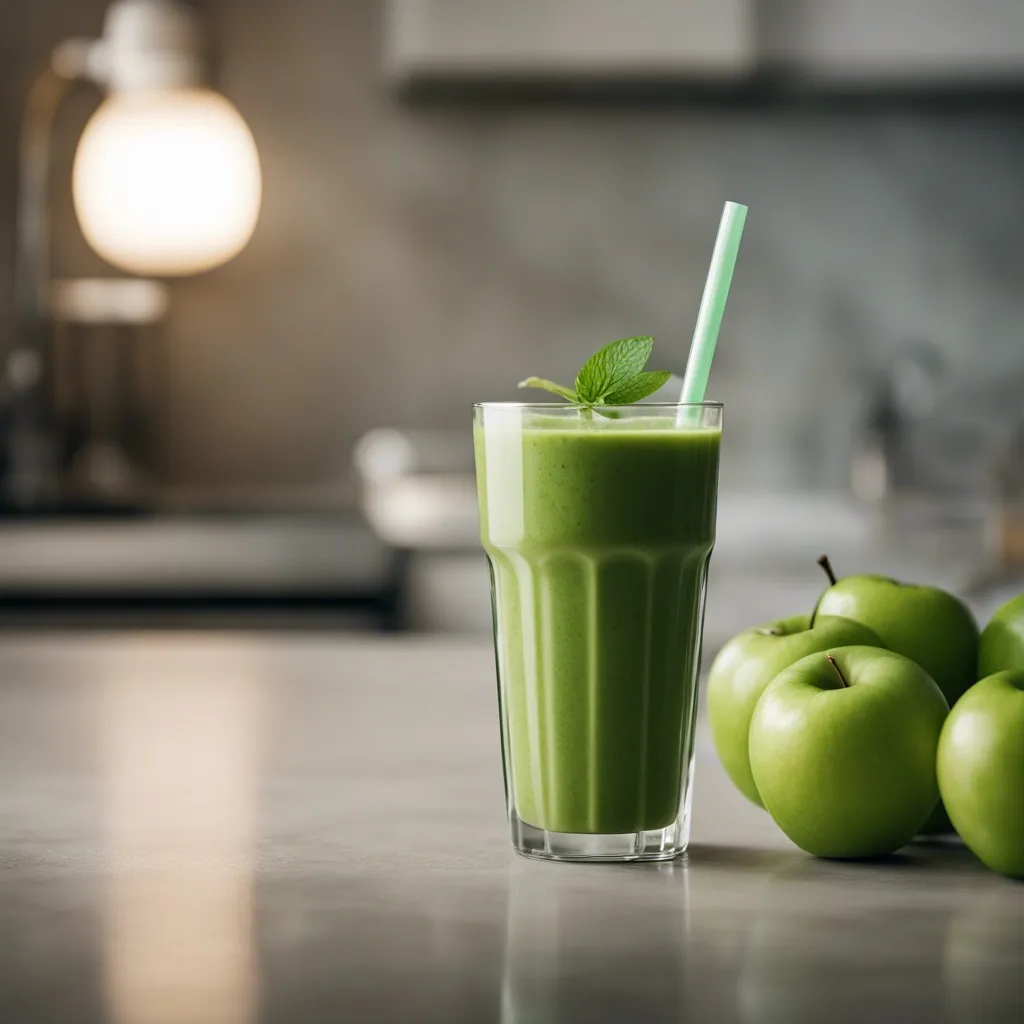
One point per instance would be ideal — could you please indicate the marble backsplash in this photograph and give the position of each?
(413, 258)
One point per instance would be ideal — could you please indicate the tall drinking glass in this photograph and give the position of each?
(598, 528)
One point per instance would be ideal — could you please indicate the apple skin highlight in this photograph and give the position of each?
(849, 771)
(748, 663)
(981, 770)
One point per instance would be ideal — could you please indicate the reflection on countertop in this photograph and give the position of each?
(298, 828)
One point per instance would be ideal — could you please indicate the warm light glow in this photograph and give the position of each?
(167, 182)
(180, 750)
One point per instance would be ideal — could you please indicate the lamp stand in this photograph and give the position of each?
(145, 44)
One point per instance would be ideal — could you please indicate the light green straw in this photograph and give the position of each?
(712, 305)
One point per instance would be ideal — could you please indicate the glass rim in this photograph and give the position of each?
(566, 407)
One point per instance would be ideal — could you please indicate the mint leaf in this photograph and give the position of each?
(549, 385)
(640, 386)
(611, 367)
(614, 375)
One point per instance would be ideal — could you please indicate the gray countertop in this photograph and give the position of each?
(200, 828)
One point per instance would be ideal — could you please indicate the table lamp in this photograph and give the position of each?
(166, 182)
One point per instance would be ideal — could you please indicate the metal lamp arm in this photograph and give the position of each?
(23, 370)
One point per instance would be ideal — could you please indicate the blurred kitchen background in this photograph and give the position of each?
(456, 195)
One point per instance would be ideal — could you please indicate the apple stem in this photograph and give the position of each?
(839, 671)
(827, 566)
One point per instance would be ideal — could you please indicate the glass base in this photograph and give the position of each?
(654, 844)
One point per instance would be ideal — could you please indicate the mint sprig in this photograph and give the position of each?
(614, 375)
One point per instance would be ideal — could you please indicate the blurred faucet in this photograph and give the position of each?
(903, 392)
(1006, 532)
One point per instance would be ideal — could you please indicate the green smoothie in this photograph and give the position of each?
(598, 533)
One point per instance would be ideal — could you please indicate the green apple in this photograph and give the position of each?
(748, 663)
(981, 770)
(842, 750)
(1002, 640)
(925, 624)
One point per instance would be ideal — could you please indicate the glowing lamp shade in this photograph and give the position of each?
(167, 183)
